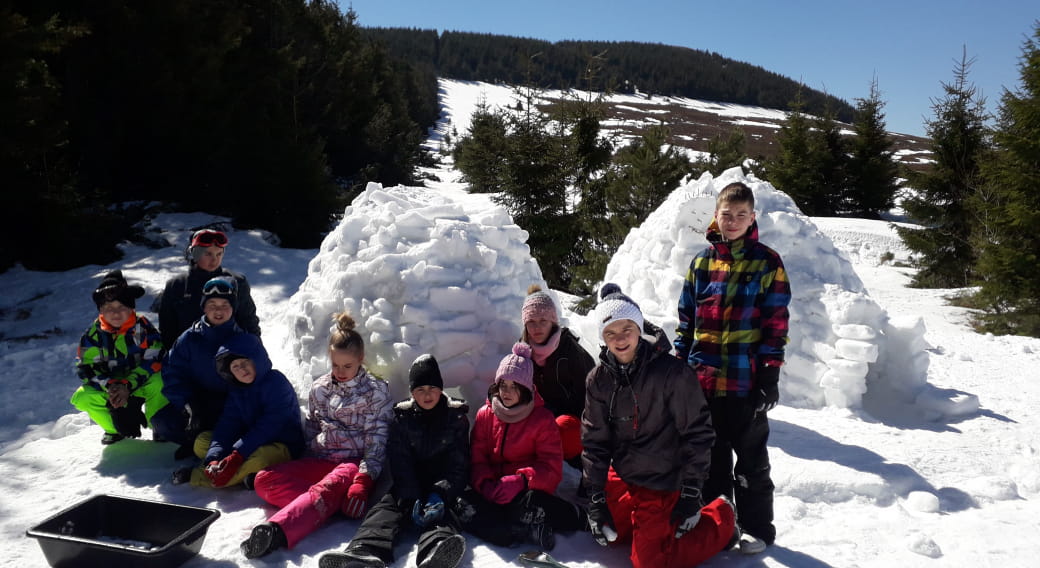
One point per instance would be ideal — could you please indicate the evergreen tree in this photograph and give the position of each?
(1008, 264)
(724, 152)
(943, 202)
(828, 150)
(872, 173)
(796, 169)
(480, 154)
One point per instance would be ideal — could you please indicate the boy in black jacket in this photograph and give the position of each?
(429, 462)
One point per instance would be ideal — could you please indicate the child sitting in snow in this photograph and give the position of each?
(517, 463)
(429, 462)
(118, 362)
(260, 425)
(347, 427)
(647, 437)
(732, 331)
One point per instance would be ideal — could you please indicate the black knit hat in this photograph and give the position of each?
(425, 372)
(114, 287)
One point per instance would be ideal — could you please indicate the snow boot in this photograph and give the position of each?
(265, 539)
(447, 554)
(110, 438)
(538, 534)
(181, 475)
(749, 544)
(352, 557)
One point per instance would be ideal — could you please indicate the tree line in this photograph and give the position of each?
(624, 66)
(273, 113)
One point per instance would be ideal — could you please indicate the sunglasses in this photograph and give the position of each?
(209, 238)
(218, 286)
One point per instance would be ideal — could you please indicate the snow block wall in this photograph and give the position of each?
(841, 341)
(420, 274)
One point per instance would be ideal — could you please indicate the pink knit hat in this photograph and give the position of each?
(538, 305)
(517, 367)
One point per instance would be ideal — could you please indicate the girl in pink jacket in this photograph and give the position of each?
(516, 463)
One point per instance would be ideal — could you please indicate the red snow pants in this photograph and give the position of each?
(642, 515)
(308, 490)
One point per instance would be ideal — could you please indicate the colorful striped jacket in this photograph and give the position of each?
(131, 353)
(733, 313)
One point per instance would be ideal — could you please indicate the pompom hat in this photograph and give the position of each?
(114, 287)
(517, 367)
(613, 306)
(538, 305)
(425, 372)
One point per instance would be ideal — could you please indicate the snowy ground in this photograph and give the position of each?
(943, 473)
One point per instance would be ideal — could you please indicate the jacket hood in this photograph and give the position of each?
(238, 346)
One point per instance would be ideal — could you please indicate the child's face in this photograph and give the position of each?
(115, 313)
(217, 310)
(210, 259)
(427, 396)
(345, 364)
(734, 218)
(509, 392)
(622, 338)
(243, 370)
(538, 330)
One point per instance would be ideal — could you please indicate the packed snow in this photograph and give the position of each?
(903, 438)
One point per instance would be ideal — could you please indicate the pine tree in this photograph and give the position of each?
(872, 174)
(828, 150)
(480, 154)
(796, 169)
(1009, 263)
(724, 152)
(945, 195)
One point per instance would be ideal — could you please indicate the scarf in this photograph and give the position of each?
(511, 415)
(541, 353)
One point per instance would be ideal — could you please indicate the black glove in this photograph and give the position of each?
(767, 391)
(129, 419)
(601, 524)
(687, 510)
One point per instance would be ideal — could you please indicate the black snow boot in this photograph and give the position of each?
(265, 539)
(352, 557)
(447, 554)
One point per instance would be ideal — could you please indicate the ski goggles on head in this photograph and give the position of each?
(218, 287)
(209, 238)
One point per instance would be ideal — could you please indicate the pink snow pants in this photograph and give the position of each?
(642, 515)
(308, 490)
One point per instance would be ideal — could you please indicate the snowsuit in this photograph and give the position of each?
(261, 420)
(429, 453)
(649, 419)
(733, 321)
(500, 448)
(347, 428)
(190, 376)
(180, 304)
(131, 354)
(560, 380)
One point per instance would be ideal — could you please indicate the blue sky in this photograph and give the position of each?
(837, 46)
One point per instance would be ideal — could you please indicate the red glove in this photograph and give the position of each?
(357, 496)
(506, 489)
(220, 473)
(527, 472)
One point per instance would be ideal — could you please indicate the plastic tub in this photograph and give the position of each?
(109, 530)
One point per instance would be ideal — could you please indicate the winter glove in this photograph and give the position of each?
(118, 393)
(767, 394)
(506, 489)
(601, 524)
(687, 510)
(220, 473)
(428, 513)
(129, 419)
(357, 496)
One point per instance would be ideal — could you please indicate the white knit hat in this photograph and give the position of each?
(614, 306)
